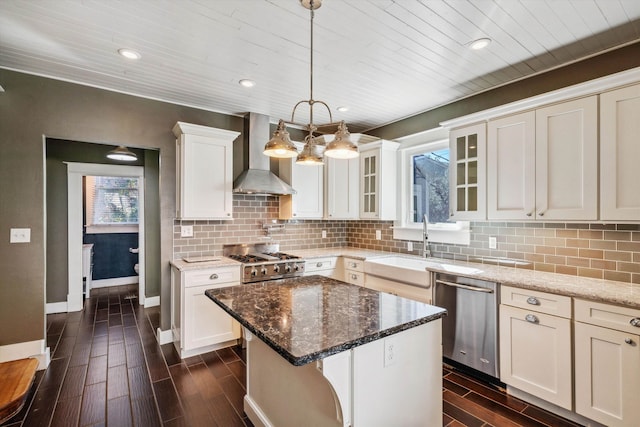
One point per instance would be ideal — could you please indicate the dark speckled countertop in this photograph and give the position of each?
(309, 318)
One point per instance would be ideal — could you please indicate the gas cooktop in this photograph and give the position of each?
(264, 261)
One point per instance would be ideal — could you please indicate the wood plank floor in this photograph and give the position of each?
(108, 370)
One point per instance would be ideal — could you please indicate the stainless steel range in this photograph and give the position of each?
(264, 261)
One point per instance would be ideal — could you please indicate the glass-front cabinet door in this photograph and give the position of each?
(467, 174)
(369, 168)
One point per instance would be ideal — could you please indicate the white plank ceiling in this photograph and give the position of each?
(384, 59)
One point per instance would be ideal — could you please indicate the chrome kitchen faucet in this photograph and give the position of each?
(425, 237)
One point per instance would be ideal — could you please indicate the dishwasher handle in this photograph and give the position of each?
(468, 287)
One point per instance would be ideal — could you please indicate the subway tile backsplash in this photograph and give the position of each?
(606, 251)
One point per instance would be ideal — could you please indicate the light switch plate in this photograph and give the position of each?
(186, 231)
(410, 246)
(324, 234)
(378, 234)
(20, 235)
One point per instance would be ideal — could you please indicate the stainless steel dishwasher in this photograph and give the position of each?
(470, 328)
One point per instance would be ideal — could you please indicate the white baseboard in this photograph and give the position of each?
(164, 337)
(116, 281)
(151, 301)
(22, 350)
(57, 307)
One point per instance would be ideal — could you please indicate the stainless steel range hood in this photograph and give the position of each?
(258, 179)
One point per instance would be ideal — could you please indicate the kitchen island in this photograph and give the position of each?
(326, 353)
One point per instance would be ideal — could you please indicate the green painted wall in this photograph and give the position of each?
(33, 108)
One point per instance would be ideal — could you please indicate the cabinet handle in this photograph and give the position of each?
(533, 301)
(354, 276)
(354, 265)
(214, 276)
(628, 341)
(541, 213)
(319, 265)
(635, 322)
(228, 214)
(530, 213)
(295, 214)
(450, 213)
(531, 318)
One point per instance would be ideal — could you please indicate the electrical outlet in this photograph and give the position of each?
(410, 246)
(378, 234)
(186, 231)
(324, 234)
(20, 235)
(390, 352)
(492, 243)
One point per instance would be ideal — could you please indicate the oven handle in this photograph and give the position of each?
(470, 288)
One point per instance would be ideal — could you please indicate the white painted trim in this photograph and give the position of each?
(164, 337)
(151, 302)
(579, 90)
(75, 172)
(115, 281)
(26, 349)
(56, 307)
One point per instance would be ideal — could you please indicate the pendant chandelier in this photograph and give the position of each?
(315, 147)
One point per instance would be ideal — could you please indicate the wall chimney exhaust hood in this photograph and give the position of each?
(258, 179)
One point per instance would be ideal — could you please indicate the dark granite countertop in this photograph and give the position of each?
(308, 318)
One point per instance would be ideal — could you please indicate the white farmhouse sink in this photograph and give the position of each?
(410, 270)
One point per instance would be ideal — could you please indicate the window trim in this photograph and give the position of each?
(404, 228)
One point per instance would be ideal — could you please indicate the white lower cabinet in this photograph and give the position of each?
(353, 271)
(198, 324)
(404, 290)
(535, 344)
(329, 266)
(607, 363)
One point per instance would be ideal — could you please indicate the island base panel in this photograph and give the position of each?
(365, 386)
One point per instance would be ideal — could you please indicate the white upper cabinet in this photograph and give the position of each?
(543, 164)
(620, 154)
(467, 173)
(511, 152)
(378, 169)
(308, 181)
(567, 160)
(204, 172)
(342, 188)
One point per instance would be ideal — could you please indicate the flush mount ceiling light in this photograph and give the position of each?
(342, 109)
(129, 53)
(312, 154)
(122, 153)
(247, 83)
(480, 43)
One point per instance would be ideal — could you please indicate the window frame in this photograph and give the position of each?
(404, 228)
(107, 228)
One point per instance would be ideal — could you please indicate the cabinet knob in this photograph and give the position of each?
(319, 265)
(533, 301)
(635, 322)
(214, 276)
(529, 213)
(531, 318)
(354, 265)
(228, 214)
(628, 341)
(450, 213)
(541, 213)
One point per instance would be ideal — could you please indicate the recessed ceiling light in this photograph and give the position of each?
(342, 109)
(480, 43)
(129, 53)
(247, 83)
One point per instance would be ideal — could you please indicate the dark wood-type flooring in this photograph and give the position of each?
(107, 369)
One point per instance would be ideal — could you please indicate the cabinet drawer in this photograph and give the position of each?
(320, 264)
(211, 276)
(608, 316)
(541, 302)
(353, 264)
(354, 277)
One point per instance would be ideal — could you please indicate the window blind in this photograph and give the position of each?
(115, 200)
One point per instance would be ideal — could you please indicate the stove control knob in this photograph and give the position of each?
(276, 268)
(287, 268)
(297, 267)
(263, 271)
(254, 272)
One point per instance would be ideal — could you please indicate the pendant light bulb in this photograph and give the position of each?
(280, 145)
(342, 147)
(122, 153)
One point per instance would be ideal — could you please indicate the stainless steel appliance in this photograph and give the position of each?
(264, 261)
(470, 328)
